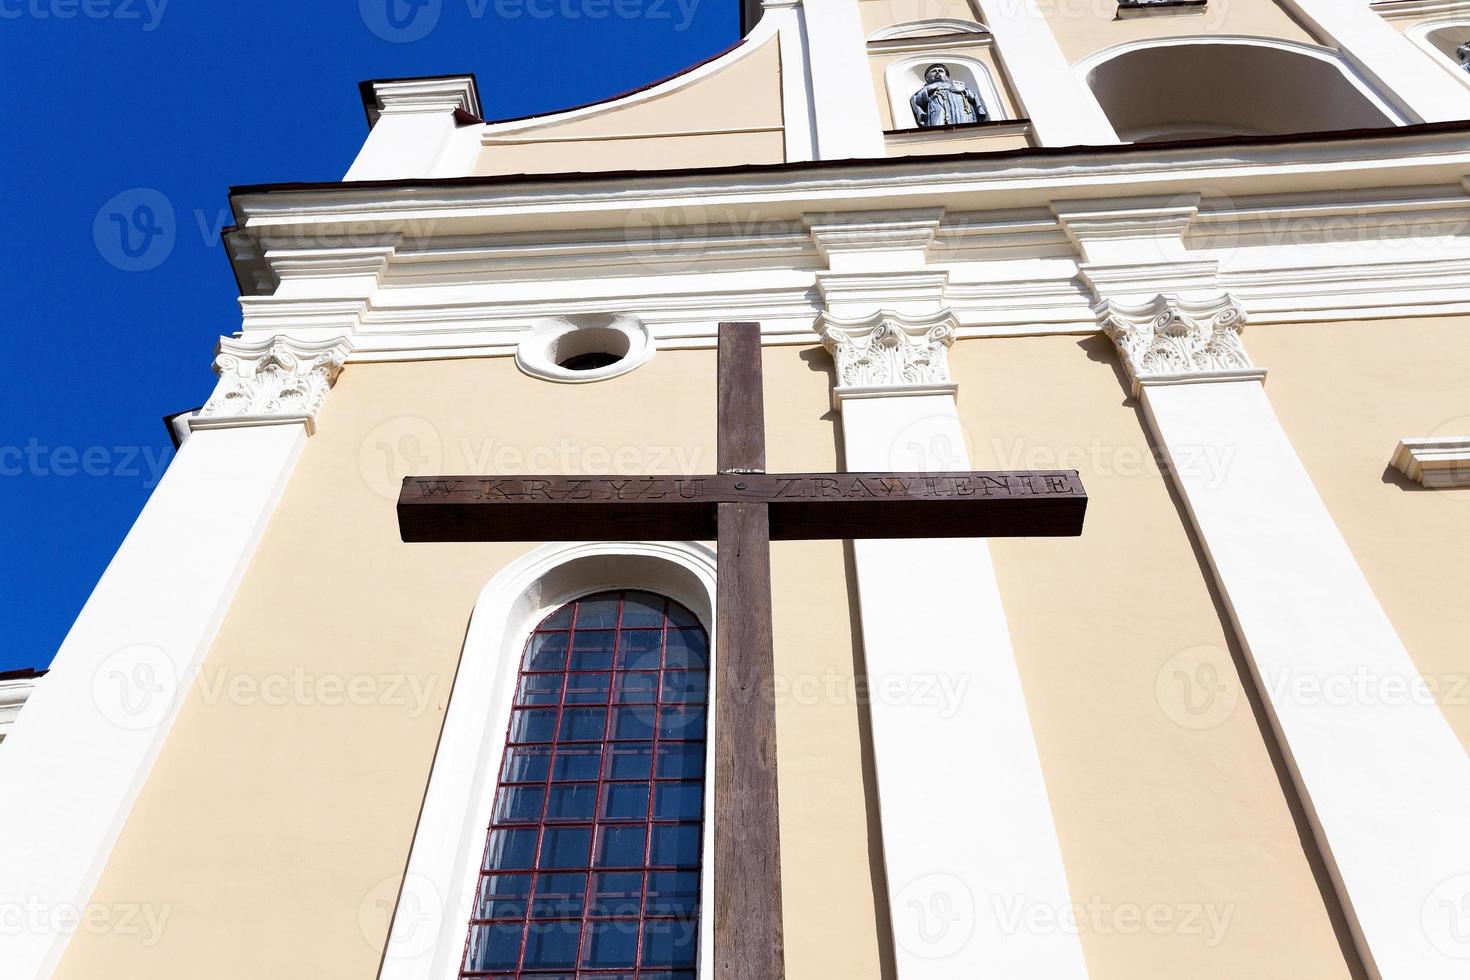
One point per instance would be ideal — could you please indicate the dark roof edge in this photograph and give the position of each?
(23, 674)
(1035, 152)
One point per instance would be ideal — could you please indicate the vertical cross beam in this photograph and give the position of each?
(747, 906)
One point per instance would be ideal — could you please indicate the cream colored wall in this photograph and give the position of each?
(1152, 814)
(274, 834)
(730, 118)
(885, 13)
(1086, 26)
(1346, 393)
(879, 63)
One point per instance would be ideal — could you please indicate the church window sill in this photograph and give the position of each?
(990, 127)
(1128, 9)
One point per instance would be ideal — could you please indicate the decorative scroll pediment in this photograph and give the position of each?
(890, 350)
(1172, 339)
(271, 381)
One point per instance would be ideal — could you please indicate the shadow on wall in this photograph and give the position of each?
(1202, 89)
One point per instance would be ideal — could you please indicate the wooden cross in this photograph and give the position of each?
(744, 509)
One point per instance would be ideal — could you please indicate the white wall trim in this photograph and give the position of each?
(1419, 34)
(427, 935)
(937, 29)
(1437, 462)
(13, 696)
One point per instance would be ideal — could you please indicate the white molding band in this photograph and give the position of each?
(84, 746)
(426, 938)
(1437, 462)
(1386, 786)
(969, 830)
(846, 107)
(13, 696)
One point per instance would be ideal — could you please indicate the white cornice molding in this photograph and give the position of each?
(1437, 462)
(13, 696)
(889, 353)
(272, 381)
(1406, 9)
(838, 235)
(424, 95)
(1172, 340)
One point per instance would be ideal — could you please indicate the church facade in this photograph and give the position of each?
(1211, 256)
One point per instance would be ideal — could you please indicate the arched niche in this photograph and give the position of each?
(1203, 87)
(905, 76)
(1442, 39)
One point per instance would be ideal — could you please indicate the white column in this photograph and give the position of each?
(82, 749)
(788, 19)
(416, 125)
(1062, 108)
(844, 103)
(1402, 72)
(969, 843)
(1385, 781)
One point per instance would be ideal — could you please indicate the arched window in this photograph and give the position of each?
(1191, 88)
(592, 863)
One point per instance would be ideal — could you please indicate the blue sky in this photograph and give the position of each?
(115, 105)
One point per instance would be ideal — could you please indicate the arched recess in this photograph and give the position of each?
(427, 931)
(906, 76)
(1200, 87)
(1441, 39)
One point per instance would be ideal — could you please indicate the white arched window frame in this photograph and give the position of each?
(1420, 34)
(1085, 68)
(906, 76)
(426, 938)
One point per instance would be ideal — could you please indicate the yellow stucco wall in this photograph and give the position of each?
(1085, 26)
(677, 128)
(1166, 799)
(1346, 393)
(270, 832)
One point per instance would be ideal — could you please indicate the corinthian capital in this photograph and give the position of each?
(272, 381)
(1172, 340)
(890, 352)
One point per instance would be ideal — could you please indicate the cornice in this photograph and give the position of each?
(1437, 462)
(397, 96)
(1405, 9)
(271, 381)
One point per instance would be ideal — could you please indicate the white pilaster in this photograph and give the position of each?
(1385, 781)
(1403, 73)
(83, 747)
(414, 126)
(1062, 109)
(845, 106)
(798, 100)
(967, 826)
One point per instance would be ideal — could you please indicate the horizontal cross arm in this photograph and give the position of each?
(1045, 503)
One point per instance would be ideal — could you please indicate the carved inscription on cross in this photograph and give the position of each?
(744, 509)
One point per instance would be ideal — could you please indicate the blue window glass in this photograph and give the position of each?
(592, 865)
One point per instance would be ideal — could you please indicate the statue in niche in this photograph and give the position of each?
(945, 102)
(1463, 53)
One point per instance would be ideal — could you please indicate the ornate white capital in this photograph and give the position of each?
(272, 381)
(889, 353)
(1173, 340)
